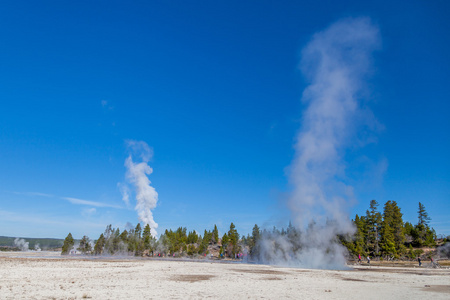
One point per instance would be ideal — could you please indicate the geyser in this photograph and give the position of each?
(136, 175)
(21, 244)
(336, 63)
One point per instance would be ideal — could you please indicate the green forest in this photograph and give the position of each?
(378, 234)
(385, 234)
(7, 243)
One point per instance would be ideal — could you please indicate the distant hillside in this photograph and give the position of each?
(44, 243)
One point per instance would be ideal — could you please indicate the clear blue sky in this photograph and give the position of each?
(214, 88)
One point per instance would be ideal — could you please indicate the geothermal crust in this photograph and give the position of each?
(42, 275)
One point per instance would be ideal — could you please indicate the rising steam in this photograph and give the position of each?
(335, 62)
(21, 244)
(136, 175)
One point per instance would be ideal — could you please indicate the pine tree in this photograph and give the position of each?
(360, 235)
(398, 228)
(254, 241)
(115, 242)
(215, 234)
(424, 235)
(99, 245)
(124, 236)
(225, 241)
(409, 233)
(190, 250)
(293, 236)
(233, 235)
(387, 233)
(138, 230)
(68, 244)
(139, 246)
(373, 221)
(192, 237)
(411, 252)
(423, 215)
(147, 237)
(387, 240)
(203, 248)
(108, 232)
(85, 245)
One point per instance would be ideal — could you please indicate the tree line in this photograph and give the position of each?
(385, 234)
(378, 234)
(140, 242)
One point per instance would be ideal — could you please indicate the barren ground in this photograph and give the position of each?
(44, 275)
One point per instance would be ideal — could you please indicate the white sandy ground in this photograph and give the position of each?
(44, 275)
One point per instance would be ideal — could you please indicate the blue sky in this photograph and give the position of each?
(215, 90)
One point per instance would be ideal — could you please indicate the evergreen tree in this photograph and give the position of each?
(147, 237)
(225, 241)
(203, 248)
(398, 228)
(246, 240)
(423, 234)
(85, 245)
(234, 239)
(192, 237)
(423, 215)
(387, 232)
(137, 231)
(409, 233)
(139, 247)
(387, 240)
(215, 234)
(115, 242)
(108, 232)
(124, 236)
(411, 253)
(360, 236)
(190, 250)
(254, 241)
(294, 237)
(180, 239)
(373, 221)
(68, 244)
(99, 245)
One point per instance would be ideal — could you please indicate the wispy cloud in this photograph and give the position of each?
(72, 200)
(87, 212)
(88, 202)
(34, 194)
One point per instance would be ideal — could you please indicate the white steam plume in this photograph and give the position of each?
(21, 244)
(146, 195)
(125, 191)
(336, 62)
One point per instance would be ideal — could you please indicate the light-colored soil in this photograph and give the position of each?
(49, 276)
